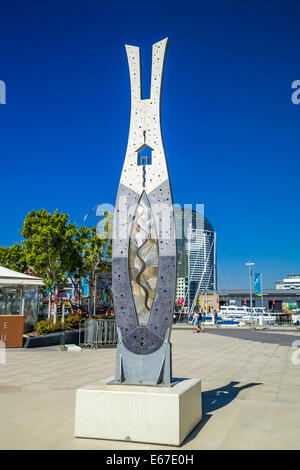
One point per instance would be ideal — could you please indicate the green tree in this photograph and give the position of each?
(52, 245)
(96, 250)
(13, 257)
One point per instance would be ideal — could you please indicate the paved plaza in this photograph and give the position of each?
(251, 392)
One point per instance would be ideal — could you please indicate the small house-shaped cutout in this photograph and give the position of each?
(144, 155)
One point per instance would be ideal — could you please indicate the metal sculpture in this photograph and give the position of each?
(144, 248)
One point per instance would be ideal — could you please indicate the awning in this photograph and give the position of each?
(8, 278)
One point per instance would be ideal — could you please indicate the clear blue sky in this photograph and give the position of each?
(231, 132)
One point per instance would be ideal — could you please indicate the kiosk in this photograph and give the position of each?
(19, 305)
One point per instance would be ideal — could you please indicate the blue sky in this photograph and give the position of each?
(231, 132)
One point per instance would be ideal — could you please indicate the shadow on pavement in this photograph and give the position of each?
(215, 399)
(219, 397)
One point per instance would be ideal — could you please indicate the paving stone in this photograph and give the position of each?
(251, 396)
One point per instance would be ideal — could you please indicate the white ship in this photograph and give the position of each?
(244, 315)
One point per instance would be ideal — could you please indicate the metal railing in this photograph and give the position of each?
(180, 318)
(99, 334)
(284, 320)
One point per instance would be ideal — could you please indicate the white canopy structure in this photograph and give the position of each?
(8, 278)
(19, 295)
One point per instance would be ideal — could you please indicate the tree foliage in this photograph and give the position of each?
(50, 245)
(56, 249)
(96, 250)
(96, 247)
(13, 257)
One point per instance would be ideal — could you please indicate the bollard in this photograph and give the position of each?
(62, 339)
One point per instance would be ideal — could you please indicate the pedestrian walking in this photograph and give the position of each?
(197, 318)
(200, 322)
(216, 318)
(196, 322)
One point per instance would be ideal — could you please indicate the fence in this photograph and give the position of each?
(284, 320)
(99, 334)
(183, 318)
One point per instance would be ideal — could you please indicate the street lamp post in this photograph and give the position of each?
(250, 289)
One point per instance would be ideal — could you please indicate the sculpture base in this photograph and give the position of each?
(138, 413)
(149, 369)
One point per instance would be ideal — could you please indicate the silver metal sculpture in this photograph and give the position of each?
(144, 248)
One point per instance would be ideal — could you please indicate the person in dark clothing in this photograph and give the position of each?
(216, 318)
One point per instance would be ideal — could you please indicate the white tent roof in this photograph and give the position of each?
(8, 277)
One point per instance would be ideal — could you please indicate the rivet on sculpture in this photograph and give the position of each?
(144, 248)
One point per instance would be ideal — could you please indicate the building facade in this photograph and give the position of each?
(291, 282)
(196, 255)
(272, 299)
(180, 289)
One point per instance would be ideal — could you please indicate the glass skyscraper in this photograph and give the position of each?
(196, 254)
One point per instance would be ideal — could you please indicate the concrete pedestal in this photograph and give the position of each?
(160, 415)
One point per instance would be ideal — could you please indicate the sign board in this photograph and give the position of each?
(289, 306)
(11, 330)
(208, 301)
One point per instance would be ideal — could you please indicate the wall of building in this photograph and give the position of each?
(271, 299)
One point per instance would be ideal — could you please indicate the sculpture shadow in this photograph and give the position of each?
(215, 399)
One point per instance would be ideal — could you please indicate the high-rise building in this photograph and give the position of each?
(196, 254)
(180, 289)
